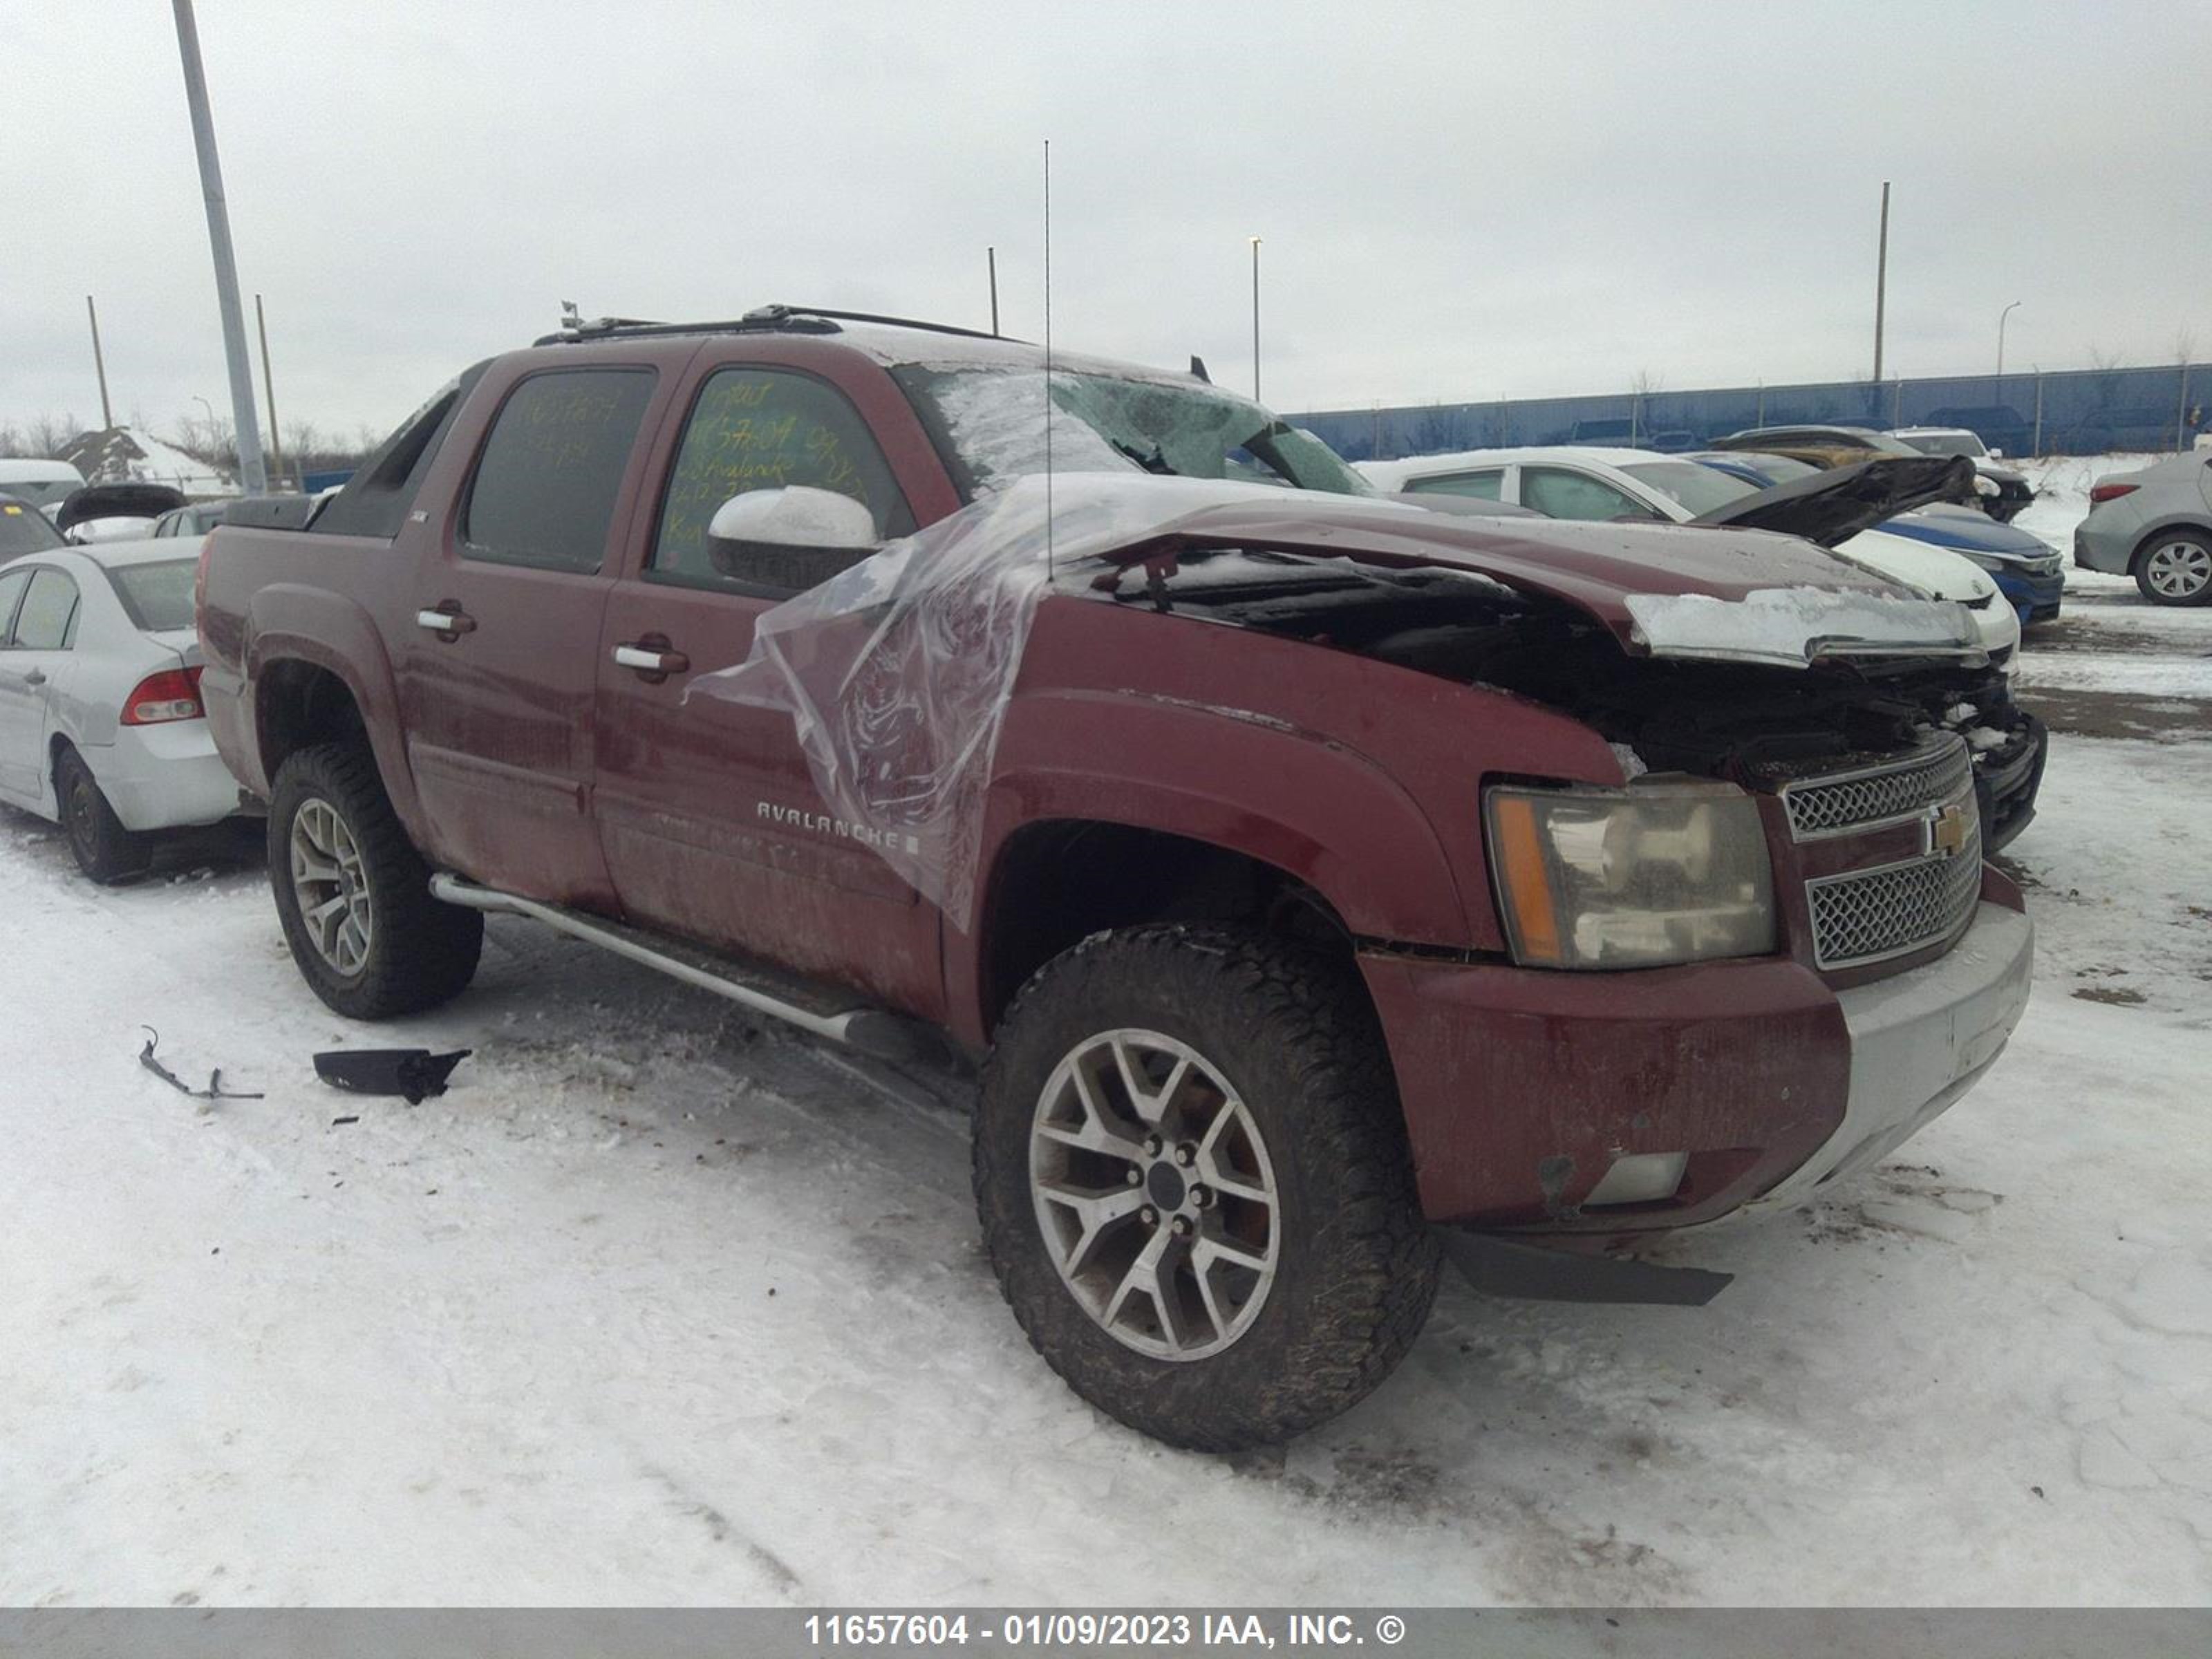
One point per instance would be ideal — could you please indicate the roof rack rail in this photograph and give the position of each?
(770, 319)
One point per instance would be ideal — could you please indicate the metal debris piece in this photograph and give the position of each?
(414, 1073)
(215, 1091)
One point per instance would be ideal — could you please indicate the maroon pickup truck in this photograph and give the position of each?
(1328, 867)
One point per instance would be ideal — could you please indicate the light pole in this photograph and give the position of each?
(208, 406)
(2001, 315)
(1255, 319)
(253, 471)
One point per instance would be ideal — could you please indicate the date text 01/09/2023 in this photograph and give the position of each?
(1053, 1630)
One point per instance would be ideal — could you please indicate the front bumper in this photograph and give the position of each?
(2034, 597)
(2006, 779)
(1522, 1087)
(1919, 1041)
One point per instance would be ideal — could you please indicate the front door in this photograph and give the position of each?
(500, 671)
(34, 669)
(710, 820)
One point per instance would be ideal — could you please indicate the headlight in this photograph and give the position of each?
(1660, 872)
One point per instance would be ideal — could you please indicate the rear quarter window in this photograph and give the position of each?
(156, 597)
(545, 485)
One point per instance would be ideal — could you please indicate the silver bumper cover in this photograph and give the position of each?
(1919, 1041)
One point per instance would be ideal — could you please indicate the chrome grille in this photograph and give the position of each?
(1839, 803)
(1869, 915)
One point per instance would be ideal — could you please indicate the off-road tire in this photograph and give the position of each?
(421, 952)
(103, 848)
(2167, 538)
(1292, 1032)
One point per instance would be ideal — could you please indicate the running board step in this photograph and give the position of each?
(820, 1010)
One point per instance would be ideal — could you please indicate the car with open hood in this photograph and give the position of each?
(2000, 492)
(2027, 570)
(115, 511)
(2013, 492)
(1318, 882)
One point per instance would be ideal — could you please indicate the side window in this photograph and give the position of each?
(763, 428)
(1558, 493)
(1483, 486)
(545, 485)
(48, 621)
(375, 500)
(11, 593)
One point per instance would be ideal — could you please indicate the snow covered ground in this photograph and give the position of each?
(655, 1306)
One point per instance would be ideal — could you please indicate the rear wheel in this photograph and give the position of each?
(2175, 568)
(103, 848)
(353, 895)
(1195, 1184)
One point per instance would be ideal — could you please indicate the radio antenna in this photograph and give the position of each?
(1048, 570)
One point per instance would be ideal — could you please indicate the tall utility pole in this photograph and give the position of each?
(1255, 319)
(269, 386)
(2001, 315)
(991, 254)
(98, 364)
(253, 474)
(1880, 281)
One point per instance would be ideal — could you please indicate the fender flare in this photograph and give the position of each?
(291, 622)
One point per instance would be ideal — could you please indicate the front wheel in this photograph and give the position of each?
(353, 895)
(1195, 1184)
(2175, 568)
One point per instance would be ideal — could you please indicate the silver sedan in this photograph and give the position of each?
(2154, 525)
(101, 728)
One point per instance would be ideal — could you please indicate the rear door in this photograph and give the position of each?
(710, 821)
(499, 670)
(35, 670)
(19, 765)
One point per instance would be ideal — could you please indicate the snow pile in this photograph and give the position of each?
(1791, 627)
(122, 454)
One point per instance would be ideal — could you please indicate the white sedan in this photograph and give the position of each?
(1578, 482)
(100, 724)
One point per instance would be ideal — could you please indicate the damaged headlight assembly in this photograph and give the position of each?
(1666, 871)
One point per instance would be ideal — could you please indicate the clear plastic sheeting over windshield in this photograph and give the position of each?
(896, 673)
(990, 425)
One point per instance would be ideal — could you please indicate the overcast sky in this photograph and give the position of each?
(1458, 202)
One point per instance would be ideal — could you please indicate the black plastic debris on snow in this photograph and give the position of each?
(415, 1075)
(215, 1091)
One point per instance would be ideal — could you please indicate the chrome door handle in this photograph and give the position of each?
(445, 621)
(648, 657)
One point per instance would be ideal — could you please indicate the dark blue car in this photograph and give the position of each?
(2028, 571)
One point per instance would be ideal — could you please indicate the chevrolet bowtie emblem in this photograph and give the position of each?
(1947, 831)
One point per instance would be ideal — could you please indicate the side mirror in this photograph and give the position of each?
(1996, 454)
(789, 538)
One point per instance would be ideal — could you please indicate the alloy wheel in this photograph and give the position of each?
(330, 884)
(1155, 1195)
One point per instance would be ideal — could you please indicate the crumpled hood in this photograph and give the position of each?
(1613, 572)
(1833, 506)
